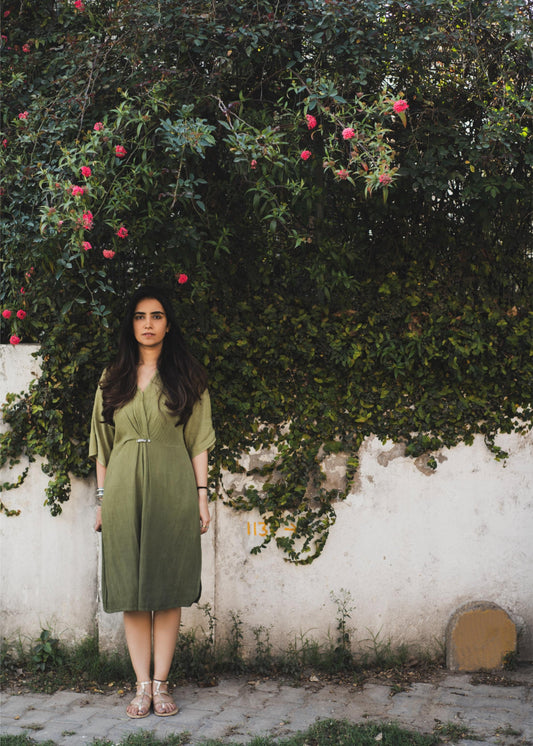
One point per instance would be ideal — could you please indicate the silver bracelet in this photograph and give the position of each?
(99, 495)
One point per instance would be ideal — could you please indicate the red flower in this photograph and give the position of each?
(87, 220)
(22, 291)
(86, 245)
(400, 105)
(348, 133)
(98, 126)
(311, 122)
(77, 190)
(253, 164)
(23, 115)
(108, 253)
(79, 6)
(21, 314)
(385, 179)
(122, 232)
(6, 313)
(6, 13)
(86, 171)
(4, 142)
(14, 340)
(342, 173)
(305, 155)
(26, 48)
(182, 279)
(120, 151)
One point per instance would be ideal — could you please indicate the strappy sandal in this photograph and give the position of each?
(138, 701)
(162, 698)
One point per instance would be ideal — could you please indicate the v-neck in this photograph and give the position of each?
(150, 381)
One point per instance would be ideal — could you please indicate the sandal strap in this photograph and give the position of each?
(158, 684)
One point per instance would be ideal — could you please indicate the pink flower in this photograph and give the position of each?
(6, 13)
(21, 314)
(79, 6)
(122, 232)
(4, 142)
(400, 105)
(77, 190)
(348, 133)
(98, 126)
(86, 245)
(120, 151)
(22, 291)
(253, 164)
(26, 48)
(14, 340)
(342, 173)
(85, 171)
(385, 179)
(23, 115)
(87, 220)
(6, 313)
(311, 122)
(182, 279)
(305, 155)
(108, 253)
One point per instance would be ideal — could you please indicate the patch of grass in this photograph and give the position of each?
(508, 731)
(454, 732)
(323, 733)
(147, 738)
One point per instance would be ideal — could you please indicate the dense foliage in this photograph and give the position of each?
(343, 265)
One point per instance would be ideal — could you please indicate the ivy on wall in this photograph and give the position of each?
(355, 238)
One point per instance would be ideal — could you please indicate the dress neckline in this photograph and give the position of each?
(152, 377)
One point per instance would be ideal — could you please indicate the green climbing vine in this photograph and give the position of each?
(337, 196)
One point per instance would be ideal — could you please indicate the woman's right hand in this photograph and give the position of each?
(98, 521)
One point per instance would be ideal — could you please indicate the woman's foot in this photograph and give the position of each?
(164, 705)
(139, 707)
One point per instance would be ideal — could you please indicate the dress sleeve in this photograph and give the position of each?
(198, 433)
(102, 434)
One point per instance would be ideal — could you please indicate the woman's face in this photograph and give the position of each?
(150, 323)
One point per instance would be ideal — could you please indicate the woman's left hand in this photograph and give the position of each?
(205, 517)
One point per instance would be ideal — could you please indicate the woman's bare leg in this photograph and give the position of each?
(166, 629)
(138, 628)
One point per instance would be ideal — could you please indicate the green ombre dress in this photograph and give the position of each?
(151, 553)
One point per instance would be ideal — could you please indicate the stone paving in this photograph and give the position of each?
(238, 709)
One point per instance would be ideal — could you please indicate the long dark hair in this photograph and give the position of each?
(184, 379)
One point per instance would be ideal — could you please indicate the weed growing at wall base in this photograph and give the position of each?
(84, 667)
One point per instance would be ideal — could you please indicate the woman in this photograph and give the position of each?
(151, 433)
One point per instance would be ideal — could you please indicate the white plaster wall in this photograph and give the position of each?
(409, 546)
(47, 564)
